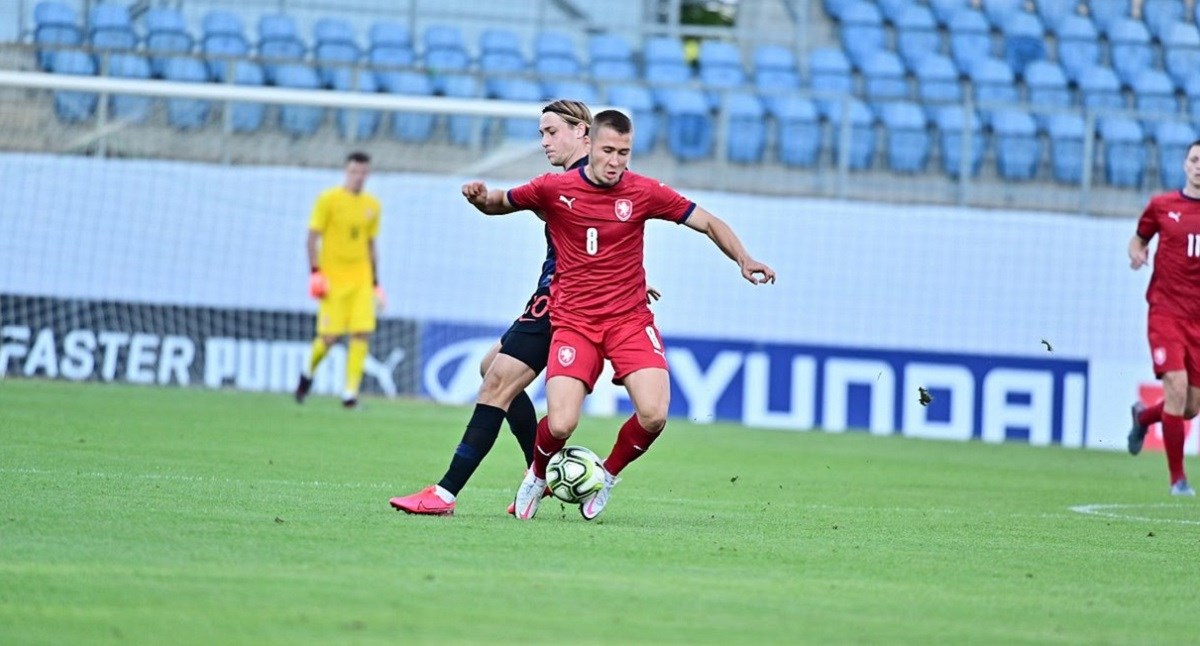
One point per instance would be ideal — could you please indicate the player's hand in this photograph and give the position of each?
(318, 285)
(380, 298)
(652, 294)
(476, 193)
(1139, 254)
(757, 273)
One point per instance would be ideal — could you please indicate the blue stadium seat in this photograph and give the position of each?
(555, 89)
(799, 132)
(1055, 12)
(55, 26)
(412, 127)
(834, 8)
(1181, 52)
(1066, 133)
(638, 100)
(554, 55)
(664, 78)
(221, 44)
(746, 128)
(1154, 96)
(937, 84)
(500, 67)
(944, 10)
(1129, 49)
(519, 89)
(164, 19)
(613, 70)
(689, 127)
(247, 117)
(298, 120)
(1024, 41)
(386, 33)
(559, 66)
(891, 9)
(111, 29)
(388, 62)
(279, 44)
(1078, 46)
(1161, 14)
(884, 81)
(461, 128)
(1106, 14)
(362, 123)
(862, 135)
(130, 108)
(720, 68)
(73, 107)
(166, 35)
(775, 73)
(1099, 89)
(994, 86)
(970, 40)
(917, 35)
(333, 30)
(1018, 149)
(445, 51)
(1173, 139)
(1000, 12)
(830, 76)
(611, 58)
(663, 49)
(1124, 151)
(335, 49)
(908, 144)
(220, 22)
(186, 114)
(862, 32)
(1192, 92)
(1046, 87)
(500, 41)
(952, 123)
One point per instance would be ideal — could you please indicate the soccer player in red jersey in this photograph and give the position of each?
(1174, 317)
(596, 217)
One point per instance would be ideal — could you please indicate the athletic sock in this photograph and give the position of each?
(632, 442)
(545, 446)
(318, 352)
(442, 493)
(477, 440)
(523, 421)
(1173, 435)
(356, 360)
(1151, 415)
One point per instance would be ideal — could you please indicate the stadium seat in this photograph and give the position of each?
(994, 87)
(611, 58)
(861, 153)
(799, 132)
(1181, 52)
(553, 90)
(554, 55)
(499, 68)
(952, 123)
(891, 9)
(908, 144)
(862, 32)
(335, 49)
(830, 77)
(1046, 87)
(462, 129)
(1154, 97)
(298, 120)
(746, 128)
(1000, 12)
(223, 41)
(884, 81)
(386, 33)
(1124, 151)
(937, 84)
(130, 108)
(519, 89)
(1173, 139)
(412, 127)
(388, 62)
(689, 126)
(638, 100)
(1078, 46)
(1018, 149)
(1106, 14)
(944, 10)
(1129, 49)
(333, 30)
(110, 28)
(834, 8)
(244, 116)
(1055, 12)
(1192, 92)
(279, 44)
(227, 23)
(1099, 89)
(666, 68)
(970, 40)
(55, 26)
(445, 52)
(73, 107)
(917, 35)
(362, 123)
(720, 68)
(1066, 133)
(186, 114)
(663, 49)
(775, 73)
(166, 35)
(1161, 14)
(1024, 41)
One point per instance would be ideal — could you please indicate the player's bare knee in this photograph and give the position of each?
(562, 428)
(653, 421)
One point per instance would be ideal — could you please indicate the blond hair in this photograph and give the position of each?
(573, 112)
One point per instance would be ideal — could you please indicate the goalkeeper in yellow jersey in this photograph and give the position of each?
(344, 280)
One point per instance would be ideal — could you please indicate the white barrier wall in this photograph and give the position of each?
(852, 276)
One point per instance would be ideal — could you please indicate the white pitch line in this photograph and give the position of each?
(1100, 509)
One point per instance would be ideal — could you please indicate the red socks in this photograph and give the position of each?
(632, 442)
(544, 446)
(1151, 415)
(1173, 435)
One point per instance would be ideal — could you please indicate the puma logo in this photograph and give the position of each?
(569, 201)
(1174, 215)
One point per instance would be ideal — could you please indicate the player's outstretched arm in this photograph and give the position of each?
(727, 241)
(1139, 251)
(493, 202)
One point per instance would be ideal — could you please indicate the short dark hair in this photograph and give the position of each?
(358, 156)
(1193, 145)
(613, 119)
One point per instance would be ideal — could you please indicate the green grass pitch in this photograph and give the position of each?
(142, 515)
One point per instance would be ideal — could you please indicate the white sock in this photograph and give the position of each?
(441, 492)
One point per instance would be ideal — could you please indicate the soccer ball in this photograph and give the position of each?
(574, 473)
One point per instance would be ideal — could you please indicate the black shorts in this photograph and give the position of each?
(528, 345)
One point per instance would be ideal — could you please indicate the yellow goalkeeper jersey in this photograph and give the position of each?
(347, 223)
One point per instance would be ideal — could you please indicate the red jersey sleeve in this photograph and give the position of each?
(667, 204)
(529, 196)
(1147, 225)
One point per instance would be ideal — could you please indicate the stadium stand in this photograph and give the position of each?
(129, 108)
(908, 145)
(54, 25)
(1066, 133)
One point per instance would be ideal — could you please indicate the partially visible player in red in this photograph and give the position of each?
(1174, 317)
(596, 217)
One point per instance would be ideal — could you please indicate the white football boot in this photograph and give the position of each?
(591, 506)
(529, 496)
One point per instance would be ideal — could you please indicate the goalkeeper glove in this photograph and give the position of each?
(318, 285)
(380, 298)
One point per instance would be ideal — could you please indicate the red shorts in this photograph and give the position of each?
(1175, 345)
(630, 344)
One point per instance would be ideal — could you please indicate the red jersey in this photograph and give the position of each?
(598, 234)
(1175, 282)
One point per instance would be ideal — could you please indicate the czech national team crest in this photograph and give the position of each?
(566, 355)
(623, 209)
